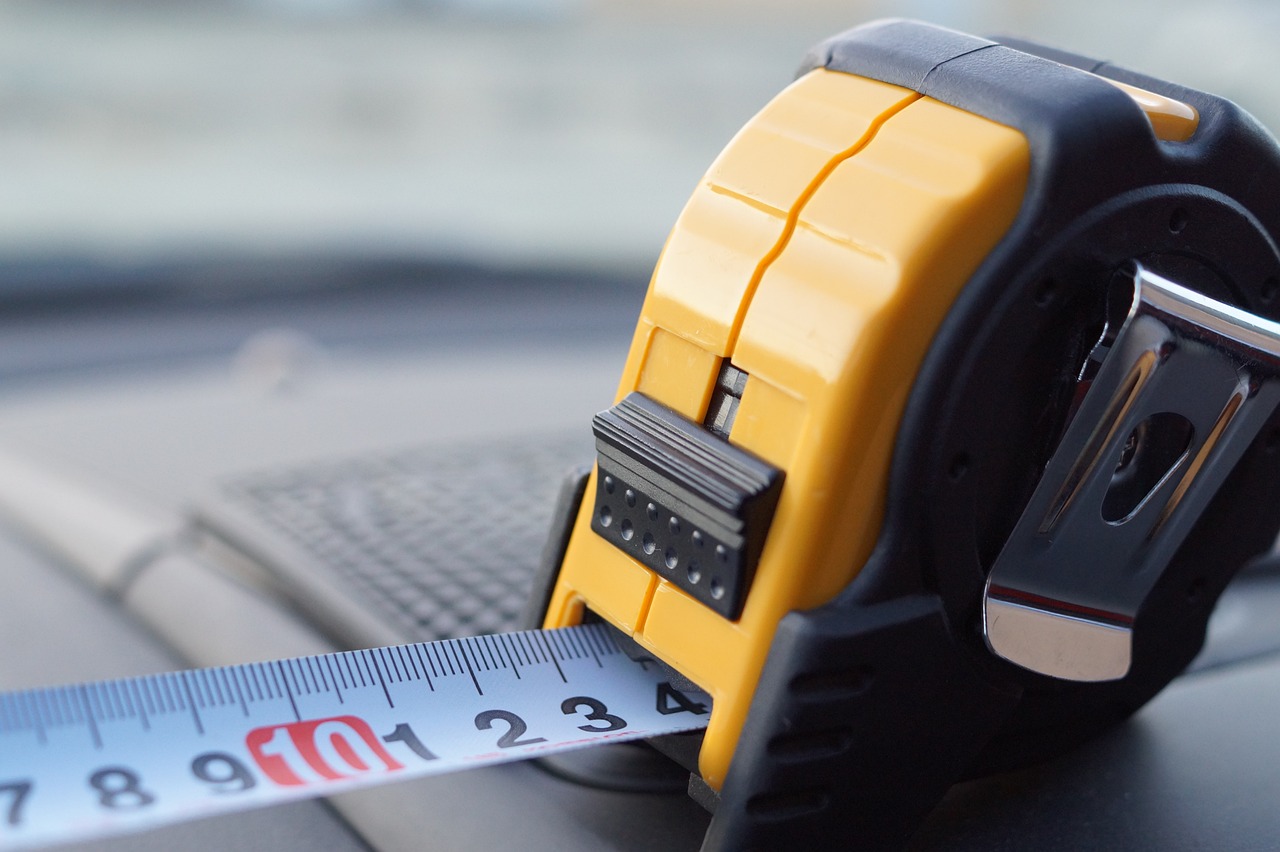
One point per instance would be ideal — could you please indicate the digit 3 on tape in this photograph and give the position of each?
(78, 762)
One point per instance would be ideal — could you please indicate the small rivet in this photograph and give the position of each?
(1046, 293)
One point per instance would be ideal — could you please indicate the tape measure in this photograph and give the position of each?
(80, 762)
(950, 411)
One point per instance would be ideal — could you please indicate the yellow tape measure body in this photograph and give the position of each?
(818, 255)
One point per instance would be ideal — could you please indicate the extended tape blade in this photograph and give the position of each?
(79, 762)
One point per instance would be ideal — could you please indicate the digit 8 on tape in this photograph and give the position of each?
(911, 254)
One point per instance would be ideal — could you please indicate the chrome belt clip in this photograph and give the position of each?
(1177, 395)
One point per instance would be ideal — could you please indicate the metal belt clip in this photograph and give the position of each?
(1180, 391)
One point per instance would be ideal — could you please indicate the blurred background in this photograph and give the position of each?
(513, 132)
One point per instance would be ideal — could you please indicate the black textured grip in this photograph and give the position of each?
(682, 501)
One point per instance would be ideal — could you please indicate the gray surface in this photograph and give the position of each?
(55, 631)
(167, 435)
(1196, 769)
(297, 825)
(521, 807)
(69, 319)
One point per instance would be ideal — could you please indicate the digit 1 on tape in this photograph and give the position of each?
(78, 762)
(950, 411)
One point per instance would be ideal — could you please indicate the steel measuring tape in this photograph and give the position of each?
(80, 762)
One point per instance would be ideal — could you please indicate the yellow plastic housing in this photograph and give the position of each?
(1171, 120)
(819, 254)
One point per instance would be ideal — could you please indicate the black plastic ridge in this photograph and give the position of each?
(682, 451)
(683, 502)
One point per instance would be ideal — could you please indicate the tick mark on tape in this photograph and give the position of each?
(280, 682)
(92, 723)
(191, 703)
(382, 681)
(471, 671)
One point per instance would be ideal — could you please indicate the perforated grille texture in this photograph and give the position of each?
(440, 542)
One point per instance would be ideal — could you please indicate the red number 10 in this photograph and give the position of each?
(318, 750)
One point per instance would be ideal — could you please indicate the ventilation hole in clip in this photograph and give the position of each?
(1150, 454)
